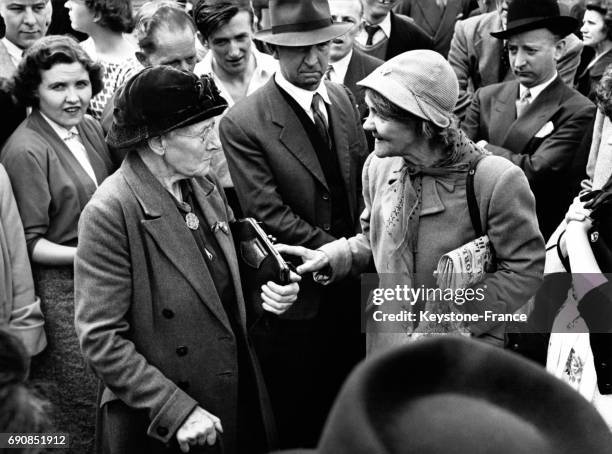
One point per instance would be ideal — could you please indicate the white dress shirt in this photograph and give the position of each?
(304, 97)
(384, 31)
(14, 52)
(339, 68)
(535, 91)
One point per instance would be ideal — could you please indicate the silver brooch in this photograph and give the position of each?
(192, 221)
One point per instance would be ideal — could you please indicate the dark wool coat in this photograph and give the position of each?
(148, 317)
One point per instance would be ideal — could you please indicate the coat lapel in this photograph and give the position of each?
(503, 112)
(341, 142)
(431, 15)
(489, 50)
(534, 117)
(215, 211)
(71, 165)
(449, 17)
(292, 134)
(165, 225)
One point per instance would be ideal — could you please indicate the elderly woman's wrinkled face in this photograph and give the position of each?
(81, 17)
(189, 150)
(64, 93)
(593, 28)
(393, 138)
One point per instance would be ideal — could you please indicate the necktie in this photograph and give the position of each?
(319, 119)
(523, 103)
(328, 71)
(371, 31)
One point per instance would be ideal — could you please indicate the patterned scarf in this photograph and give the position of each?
(402, 224)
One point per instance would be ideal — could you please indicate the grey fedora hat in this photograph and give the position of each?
(301, 23)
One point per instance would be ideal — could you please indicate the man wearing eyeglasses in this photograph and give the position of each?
(479, 60)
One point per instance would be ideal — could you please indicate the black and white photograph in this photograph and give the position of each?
(306, 226)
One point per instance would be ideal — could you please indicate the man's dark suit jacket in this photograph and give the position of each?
(406, 35)
(360, 65)
(277, 174)
(543, 141)
(440, 24)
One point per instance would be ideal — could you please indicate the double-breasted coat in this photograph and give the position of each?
(148, 317)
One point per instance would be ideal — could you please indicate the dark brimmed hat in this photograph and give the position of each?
(159, 99)
(526, 15)
(301, 23)
(455, 395)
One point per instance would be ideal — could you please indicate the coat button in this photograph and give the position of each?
(167, 313)
(162, 431)
(603, 365)
(515, 346)
(325, 196)
(326, 227)
(181, 350)
(183, 384)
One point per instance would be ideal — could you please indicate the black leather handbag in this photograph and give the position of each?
(259, 262)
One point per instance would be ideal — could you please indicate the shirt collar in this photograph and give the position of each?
(535, 91)
(14, 52)
(62, 132)
(385, 25)
(301, 96)
(341, 67)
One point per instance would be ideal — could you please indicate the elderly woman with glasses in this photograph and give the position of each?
(416, 208)
(159, 308)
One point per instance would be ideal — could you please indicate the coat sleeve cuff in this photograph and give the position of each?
(340, 261)
(28, 324)
(171, 416)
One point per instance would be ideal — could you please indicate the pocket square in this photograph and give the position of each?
(545, 131)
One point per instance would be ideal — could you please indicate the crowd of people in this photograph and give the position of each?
(364, 136)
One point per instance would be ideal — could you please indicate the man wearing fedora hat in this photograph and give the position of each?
(536, 121)
(295, 149)
(480, 61)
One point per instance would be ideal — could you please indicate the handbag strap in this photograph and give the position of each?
(471, 196)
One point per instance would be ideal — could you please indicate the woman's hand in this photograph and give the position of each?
(578, 217)
(313, 260)
(278, 298)
(199, 428)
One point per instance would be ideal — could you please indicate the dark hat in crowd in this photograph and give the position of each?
(159, 99)
(452, 395)
(526, 15)
(301, 23)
